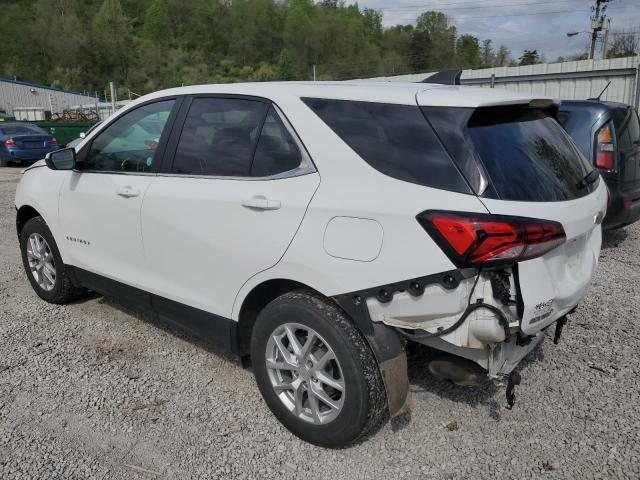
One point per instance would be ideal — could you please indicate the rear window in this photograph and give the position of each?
(22, 130)
(528, 156)
(523, 152)
(578, 123)
(394, 139)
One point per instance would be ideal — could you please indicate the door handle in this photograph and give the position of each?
(260, 202)
(128, 192)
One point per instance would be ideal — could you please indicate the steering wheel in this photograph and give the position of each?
(136, 165)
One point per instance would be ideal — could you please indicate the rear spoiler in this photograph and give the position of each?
(444, 77)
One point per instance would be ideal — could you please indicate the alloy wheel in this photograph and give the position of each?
(305, 373)
(41, 261)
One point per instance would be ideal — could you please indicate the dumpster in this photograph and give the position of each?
(65, 131)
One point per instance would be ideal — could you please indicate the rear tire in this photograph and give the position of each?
(43, 264)
(331, 362)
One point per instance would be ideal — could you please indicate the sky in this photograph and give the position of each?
(518, 24)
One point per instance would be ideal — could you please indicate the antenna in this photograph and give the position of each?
(603, 90)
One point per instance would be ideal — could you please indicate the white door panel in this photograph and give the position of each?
(205, 237)
(554, 283)
(100, 223)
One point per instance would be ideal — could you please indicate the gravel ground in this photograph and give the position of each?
(90, 391)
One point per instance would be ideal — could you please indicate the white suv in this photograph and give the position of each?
(314, 228)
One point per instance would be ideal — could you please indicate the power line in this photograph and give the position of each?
(475, 7)
(536, 13)
(448, 4)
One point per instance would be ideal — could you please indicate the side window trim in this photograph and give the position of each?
(164, 138)
(306, 164)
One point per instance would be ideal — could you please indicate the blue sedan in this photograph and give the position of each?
(24, 142)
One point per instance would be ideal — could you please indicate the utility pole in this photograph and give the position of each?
(113, 97)
(314, 72)
(605, 45)
(597, 20)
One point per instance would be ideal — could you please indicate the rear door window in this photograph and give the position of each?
(528, 156)
(219, 137)
(394, 139)
(277, 151)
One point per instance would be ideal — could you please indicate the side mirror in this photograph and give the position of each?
(64, 159)
(82, 135)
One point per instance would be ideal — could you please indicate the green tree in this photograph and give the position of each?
(487, 57)
(529, 57)
(503, 57)
(442, 38)
(111, 41)
(624, 46)
(373, 23)
(285, 69)
(420, 58)
(468, 52)
(157, 28)
(297, 33)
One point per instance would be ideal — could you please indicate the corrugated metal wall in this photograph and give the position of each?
(20, 95)
(565, 81)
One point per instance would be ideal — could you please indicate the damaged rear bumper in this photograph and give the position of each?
(469, 314)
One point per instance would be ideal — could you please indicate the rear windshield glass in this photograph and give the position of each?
(394, 139)
(528, 156)
(578, 123)
(21, 130)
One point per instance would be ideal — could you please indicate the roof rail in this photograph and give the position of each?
(444, 77)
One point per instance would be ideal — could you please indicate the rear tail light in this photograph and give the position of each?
(10, 142)
(54, 141)
(605, 159)
(476, 239)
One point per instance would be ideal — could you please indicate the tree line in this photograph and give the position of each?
(145, 45)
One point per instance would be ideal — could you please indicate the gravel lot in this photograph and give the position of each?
(90, 391)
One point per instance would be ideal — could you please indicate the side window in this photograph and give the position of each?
(129, 144)
(627, 128)
(219, 137)
(277, 151)
(394, 139)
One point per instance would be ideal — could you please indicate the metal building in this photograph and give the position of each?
(577, 80)
(30, 101)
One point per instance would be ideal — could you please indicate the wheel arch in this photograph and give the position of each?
(24, 214)
(387, 346)
(258, 298)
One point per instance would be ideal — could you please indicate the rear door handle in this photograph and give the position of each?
(128, 192)
(260, 202)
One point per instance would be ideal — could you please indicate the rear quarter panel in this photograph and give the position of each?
(349, 187)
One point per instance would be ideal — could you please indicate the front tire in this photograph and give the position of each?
(316, 371)
(43, 264)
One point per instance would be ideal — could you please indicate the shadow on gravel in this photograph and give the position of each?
(486, 395)
(165, 327)
(613, 238)
(86, 297)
